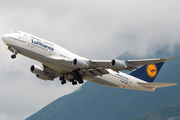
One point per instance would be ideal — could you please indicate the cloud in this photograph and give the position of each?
(96, 24)
(94, 29)
(22, 93)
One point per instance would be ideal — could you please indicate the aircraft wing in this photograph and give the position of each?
(148, 61)
(128, 64)
(101, 63)
(96, 70)
(67, 62)
(51, 72)
(98, 67)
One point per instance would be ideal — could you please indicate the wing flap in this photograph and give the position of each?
(95, 72)
(101, 63)
(156, 85)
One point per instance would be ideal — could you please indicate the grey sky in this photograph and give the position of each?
(100, 29)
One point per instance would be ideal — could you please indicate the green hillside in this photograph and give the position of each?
(96, 102)
(171, 112)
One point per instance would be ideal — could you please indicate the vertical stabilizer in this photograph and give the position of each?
(147, 72)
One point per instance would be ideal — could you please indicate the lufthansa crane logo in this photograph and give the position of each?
(151, 70)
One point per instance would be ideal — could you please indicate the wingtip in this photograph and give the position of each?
(174, 84)
(171, 58)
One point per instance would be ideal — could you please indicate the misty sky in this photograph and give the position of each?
(96, 29)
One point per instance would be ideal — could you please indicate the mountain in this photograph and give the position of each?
(95, 102)
(171, 112)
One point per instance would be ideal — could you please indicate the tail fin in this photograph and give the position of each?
(147, 72)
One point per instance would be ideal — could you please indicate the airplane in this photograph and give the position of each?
(59, 62)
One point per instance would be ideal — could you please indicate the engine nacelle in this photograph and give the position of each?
(118, 64)
(44, 77)
(37, 70)
(79, 63)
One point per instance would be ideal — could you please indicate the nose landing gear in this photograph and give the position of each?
(13, 56)
(14, 51)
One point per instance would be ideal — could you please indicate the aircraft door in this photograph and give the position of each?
(50, 52)
(28, 40)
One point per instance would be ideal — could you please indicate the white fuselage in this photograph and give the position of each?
(44, 51)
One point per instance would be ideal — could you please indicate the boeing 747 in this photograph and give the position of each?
(59, 62)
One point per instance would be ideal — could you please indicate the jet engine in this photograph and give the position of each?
(37, 70)
(79, 63)
(118, 64)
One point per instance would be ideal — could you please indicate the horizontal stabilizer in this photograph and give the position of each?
(156, 85)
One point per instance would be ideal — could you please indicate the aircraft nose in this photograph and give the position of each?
(5, 37)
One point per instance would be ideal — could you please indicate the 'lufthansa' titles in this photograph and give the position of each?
(42, 45)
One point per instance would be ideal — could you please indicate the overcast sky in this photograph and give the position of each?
(96, 29)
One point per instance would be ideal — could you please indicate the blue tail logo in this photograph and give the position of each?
(151, 70)
(147, 72)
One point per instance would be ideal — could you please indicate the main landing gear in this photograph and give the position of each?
(63, 81)
(73, 82)
(77, 79)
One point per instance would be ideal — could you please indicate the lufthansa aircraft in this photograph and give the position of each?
(59, 62)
